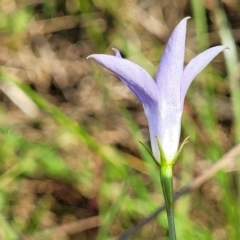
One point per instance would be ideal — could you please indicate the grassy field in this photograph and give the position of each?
(71, 162)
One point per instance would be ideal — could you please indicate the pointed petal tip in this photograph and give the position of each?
(182, 24)
(186, 18)
(93, 56)
(220, 48)
(117, 53)
(90, 56)
(115, 50)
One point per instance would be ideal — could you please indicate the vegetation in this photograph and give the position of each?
(71, 162)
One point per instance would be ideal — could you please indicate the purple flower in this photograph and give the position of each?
(162, 100)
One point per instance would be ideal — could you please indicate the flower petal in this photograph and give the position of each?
(117, 53)
(135, 77)
(196, 65)
(170, 132)
(170, 69)
(154, 122)
(166, 126)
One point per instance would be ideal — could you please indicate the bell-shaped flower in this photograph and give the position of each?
(162, 99)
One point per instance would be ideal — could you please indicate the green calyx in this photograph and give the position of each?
(163, 159)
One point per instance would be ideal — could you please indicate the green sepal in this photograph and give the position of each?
(163, 159)
(154, 159)
(180, 149)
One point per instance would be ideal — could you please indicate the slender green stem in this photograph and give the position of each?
(167, 186)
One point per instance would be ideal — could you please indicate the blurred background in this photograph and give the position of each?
(71, 165)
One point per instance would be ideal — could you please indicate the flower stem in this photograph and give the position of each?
(167, 186)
